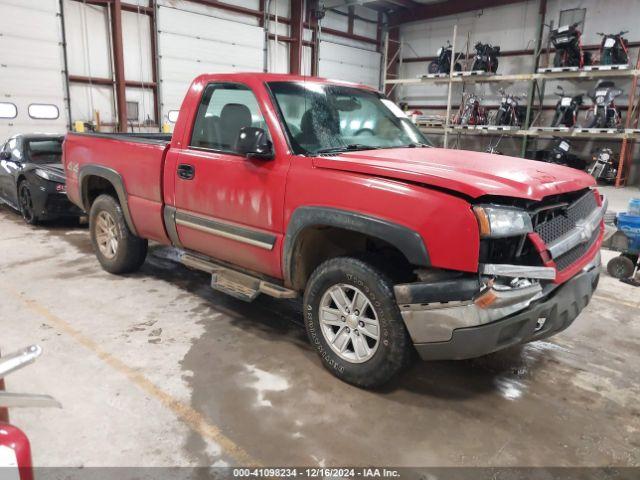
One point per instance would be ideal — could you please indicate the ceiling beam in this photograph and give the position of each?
(441, 9)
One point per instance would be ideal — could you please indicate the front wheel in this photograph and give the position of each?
(434, 67)
(117, 248)
(27, 208)
(354, 323)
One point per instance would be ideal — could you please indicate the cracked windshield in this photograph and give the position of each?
(323, 118)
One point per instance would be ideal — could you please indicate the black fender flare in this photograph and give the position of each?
(112, 177)
(406, 240)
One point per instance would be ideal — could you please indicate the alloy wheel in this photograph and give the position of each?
(26, 204)
(349, 323)
(107, 235)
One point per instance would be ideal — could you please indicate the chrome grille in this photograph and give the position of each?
(565, 260)
(555, 223)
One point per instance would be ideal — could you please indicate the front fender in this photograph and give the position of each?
(407, 241)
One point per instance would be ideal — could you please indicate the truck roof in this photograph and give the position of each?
(275, 77)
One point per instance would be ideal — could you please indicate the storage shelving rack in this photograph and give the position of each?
(626, 135)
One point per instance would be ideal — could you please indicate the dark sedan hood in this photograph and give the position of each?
(55, 171)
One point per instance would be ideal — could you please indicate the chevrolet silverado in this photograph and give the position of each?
(303, 187)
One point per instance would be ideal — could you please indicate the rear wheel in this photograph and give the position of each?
(26, 203)
(117, 248)
(621, 267)
(354, 323)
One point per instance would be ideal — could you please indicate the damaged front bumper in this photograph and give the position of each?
(458, 319)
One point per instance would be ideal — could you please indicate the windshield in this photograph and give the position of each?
(325, 118)
(43, 151)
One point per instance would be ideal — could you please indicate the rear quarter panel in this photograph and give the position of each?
(140, 167)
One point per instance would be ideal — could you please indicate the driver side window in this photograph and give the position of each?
(225, 108)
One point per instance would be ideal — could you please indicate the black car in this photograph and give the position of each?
(32, 178)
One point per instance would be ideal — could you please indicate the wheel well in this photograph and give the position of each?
(93, 187)
(317, 244)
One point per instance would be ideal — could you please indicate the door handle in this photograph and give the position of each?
(186, 171)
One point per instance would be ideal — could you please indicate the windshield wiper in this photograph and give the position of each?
(352, 147)
(417, 145)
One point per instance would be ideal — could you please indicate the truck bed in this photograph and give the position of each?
(137, 158)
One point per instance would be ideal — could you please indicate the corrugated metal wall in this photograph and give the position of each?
(31, 64)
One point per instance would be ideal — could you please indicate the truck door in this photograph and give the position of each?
(228, 206)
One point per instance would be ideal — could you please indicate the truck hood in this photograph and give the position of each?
(473, 174)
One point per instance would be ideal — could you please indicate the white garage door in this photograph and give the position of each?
(342, 62)
(32, 83)
(190, 44)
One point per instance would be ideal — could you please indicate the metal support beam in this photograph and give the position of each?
(542, 12)
(442, 9)
(118, 64)
(297, 30)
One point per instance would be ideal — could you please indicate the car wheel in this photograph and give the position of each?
(620, 267)
(354, 323)
(117, 248)
(26, 203)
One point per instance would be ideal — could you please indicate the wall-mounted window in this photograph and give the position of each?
(173, 115)
(133, 111)
(43, 111)
(8, 110)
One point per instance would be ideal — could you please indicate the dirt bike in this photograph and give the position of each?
(614, 49)
(567, 109)
(486, 58)
(567, 40)
(510, 112)
(604, 113)
(470, 112)
(442, 64)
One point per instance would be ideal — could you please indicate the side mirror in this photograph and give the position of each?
(4, 155)
(254, 143)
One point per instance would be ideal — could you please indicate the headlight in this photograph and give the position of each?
(42, 174)
(498, 222)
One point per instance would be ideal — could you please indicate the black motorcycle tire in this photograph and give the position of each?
(558, 60)
(434, 67)
(556, 119)
(596, 121)
(457, 67)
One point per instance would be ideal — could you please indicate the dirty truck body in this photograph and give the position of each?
(396, 247)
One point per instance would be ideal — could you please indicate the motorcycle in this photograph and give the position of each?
(486, 58)
(603, 167)
(614, 49)
(567, 109)
(442, 64)
(510, 112)
(604, 113)
(15, 449)
(567, 40)
(470, 112)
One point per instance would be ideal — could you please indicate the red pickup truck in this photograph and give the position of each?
(295, 186)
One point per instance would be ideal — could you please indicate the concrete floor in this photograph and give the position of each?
(156, 369)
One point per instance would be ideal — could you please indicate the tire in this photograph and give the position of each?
(593, 121)
(383, 358)
(457, 67)
(556, 119)
(557, 60)
(620, 267)
(434, 67)
(129, 252)
(25, 201)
